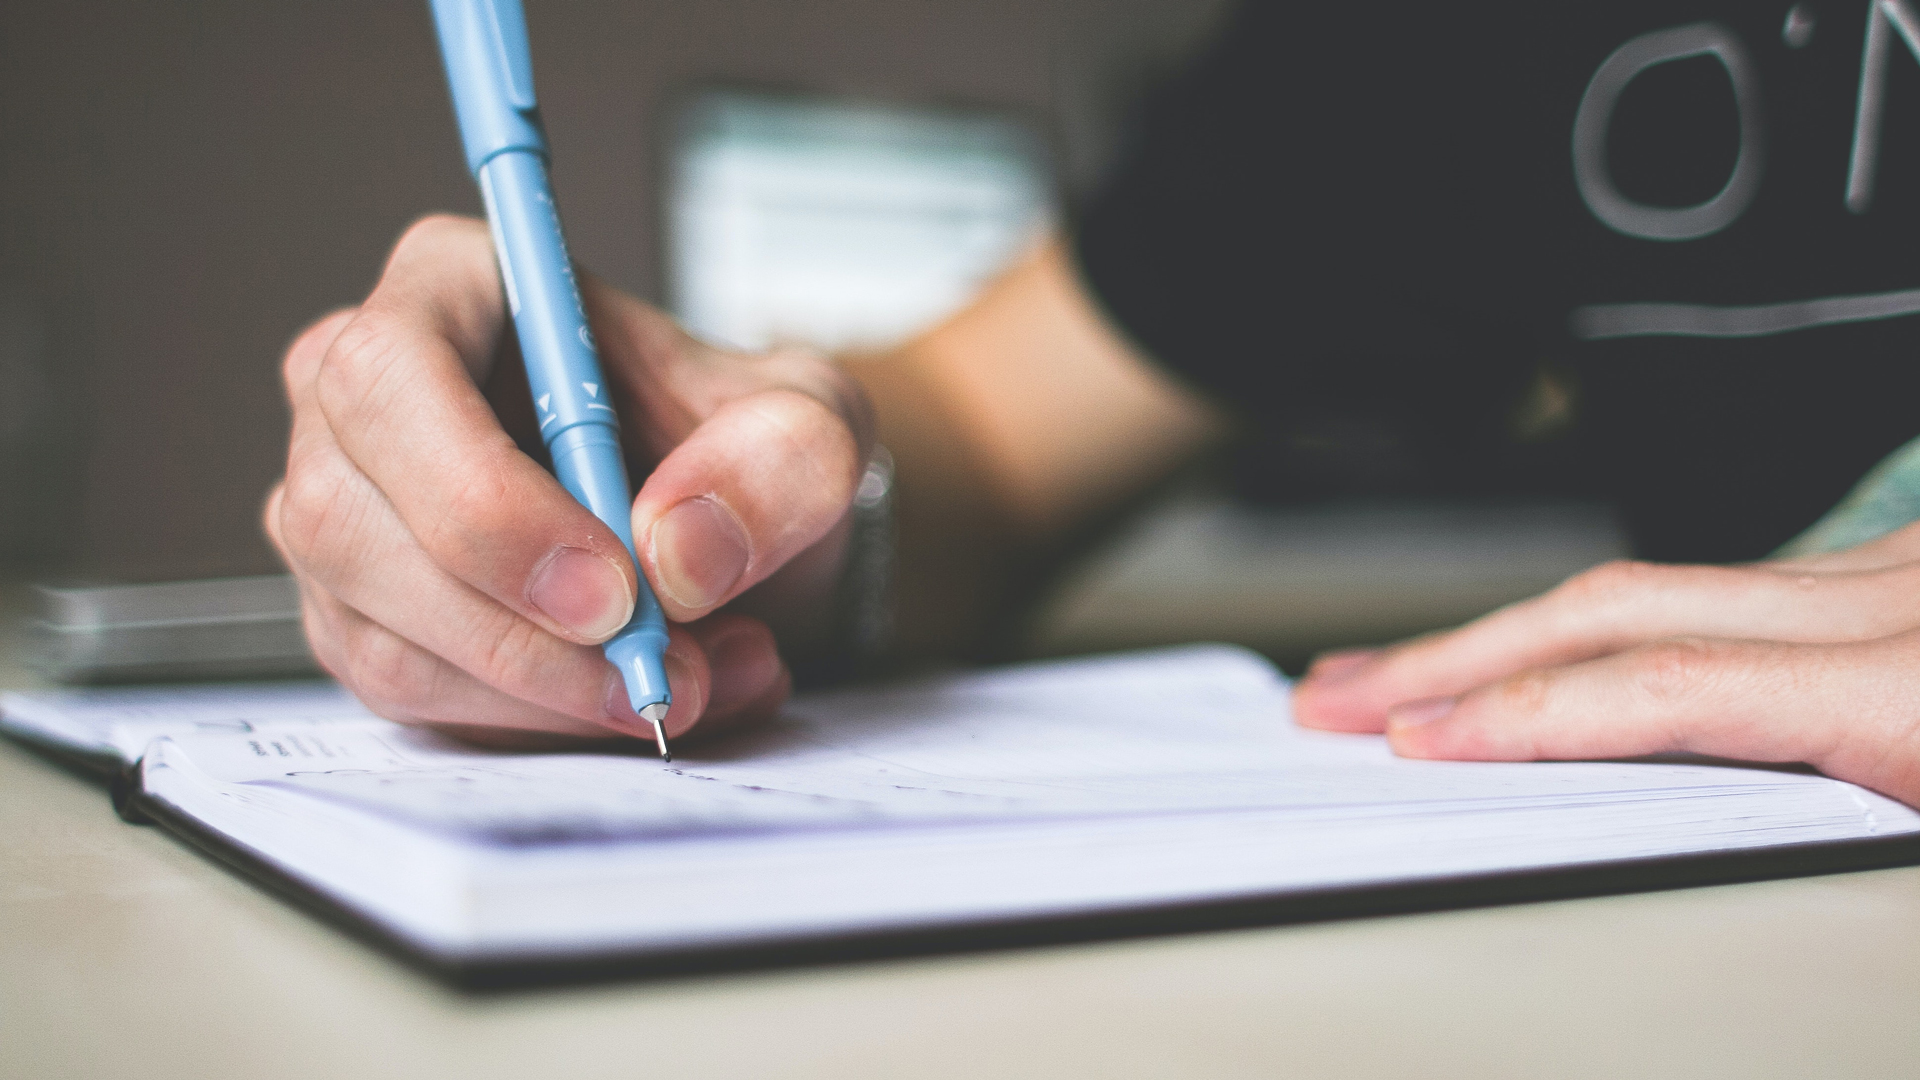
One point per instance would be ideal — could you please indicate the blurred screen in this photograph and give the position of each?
(841, 225)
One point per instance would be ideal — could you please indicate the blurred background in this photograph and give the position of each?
(185, 185)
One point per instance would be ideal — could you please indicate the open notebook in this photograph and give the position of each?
(1105, 795)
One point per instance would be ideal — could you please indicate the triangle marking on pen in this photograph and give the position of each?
(544, 398)
(593, 389)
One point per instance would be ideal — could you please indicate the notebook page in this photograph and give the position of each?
(1182, 731)
(996, 795)
(121, 721)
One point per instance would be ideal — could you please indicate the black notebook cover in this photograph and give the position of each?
(1293, 906)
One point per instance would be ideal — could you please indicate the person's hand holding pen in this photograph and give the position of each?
(447, 577)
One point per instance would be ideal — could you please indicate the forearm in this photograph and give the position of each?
(1013, 426)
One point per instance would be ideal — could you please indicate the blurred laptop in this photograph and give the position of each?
(220, 628)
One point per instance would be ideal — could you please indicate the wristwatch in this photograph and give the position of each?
(862, 624)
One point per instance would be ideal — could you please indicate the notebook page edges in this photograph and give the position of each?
(983, 796)
(121, 721)
(464, 899)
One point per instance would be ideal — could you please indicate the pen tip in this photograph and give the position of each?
(656, 714)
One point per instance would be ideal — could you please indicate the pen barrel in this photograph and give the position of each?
(562, 361)
(570, 396)
(490, 72)
(586, 458)
(587, 461)
(484, 46)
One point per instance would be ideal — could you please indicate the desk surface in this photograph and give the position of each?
(124, 955)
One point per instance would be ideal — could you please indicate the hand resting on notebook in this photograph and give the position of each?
(1815, 660)
(446, 577)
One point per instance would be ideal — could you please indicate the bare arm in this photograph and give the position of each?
(1012, 425)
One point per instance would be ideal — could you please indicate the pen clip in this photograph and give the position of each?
(506, 24)
(490, 72)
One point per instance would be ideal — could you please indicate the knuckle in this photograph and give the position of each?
(270, 517)
(1525, 694)
(301, 365)
(434, 230)
(813, 437)
(508, 655)
(830, 384)
(388, 672)
(323, 640)
(474, 512)
(1610, 580)
(304, 508)
(376, 365)
(1669, 673)
(364, 351)
(317, 504)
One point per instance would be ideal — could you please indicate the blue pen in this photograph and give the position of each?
(484, 43)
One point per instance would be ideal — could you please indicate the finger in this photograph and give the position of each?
(343, 535)
(749, 682)
(270, 523)
(518, 741)
(670, 385)
(668, 382)
(1604, 610)
(1848, 709)
(318, 627)
(302, 364)
(400, 617)
(1329, 666)
(401, 681)
(759, 481)
(397, 391)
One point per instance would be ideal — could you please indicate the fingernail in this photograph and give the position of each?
(1333, 667)
(686, 708)
(582, 592)
(699, 551)
(688, 703)
(1424, 711)
(619, 706)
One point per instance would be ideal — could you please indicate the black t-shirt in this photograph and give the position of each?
(1366, 228)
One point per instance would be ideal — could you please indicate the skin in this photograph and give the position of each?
(449, 580)
(1810, 660)
(1015, 426)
